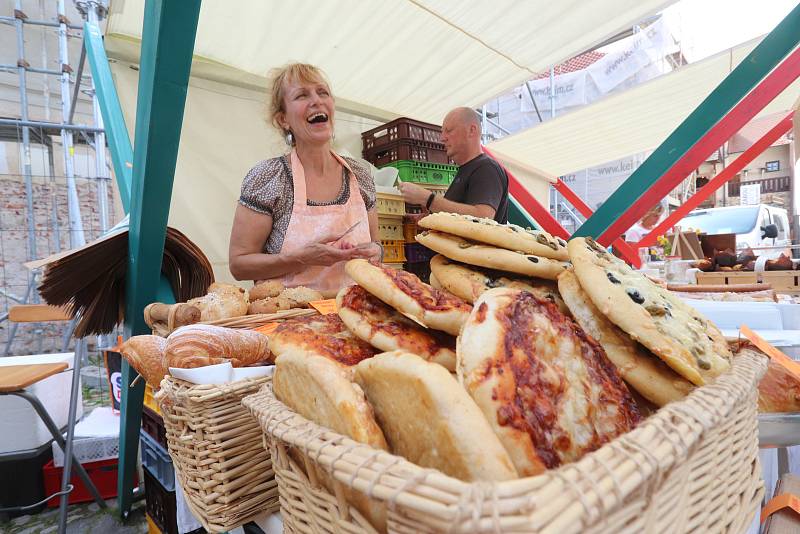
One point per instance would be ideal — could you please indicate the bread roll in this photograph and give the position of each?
(301, 295)
(266, 289)
(199, 345)
(778, 391)
(146, 355)
(273, 305)
(222, 302)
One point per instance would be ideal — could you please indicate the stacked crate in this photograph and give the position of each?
(159, 474)
(415, 149)
(390, 227)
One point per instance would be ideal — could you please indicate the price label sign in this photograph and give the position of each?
(325, 307)
(773, 353)
(267, 328)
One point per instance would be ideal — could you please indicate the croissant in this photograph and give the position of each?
(146, 355)
(198, 345)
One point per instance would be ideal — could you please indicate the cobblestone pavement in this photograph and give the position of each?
(82, 518)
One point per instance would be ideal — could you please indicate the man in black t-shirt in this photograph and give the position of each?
(480, 187)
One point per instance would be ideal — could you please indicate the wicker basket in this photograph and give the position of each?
(217, 451)
(691, 467)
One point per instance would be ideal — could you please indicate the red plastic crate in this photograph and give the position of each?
(102, 472)
(153, 424)
(402, 128)
(407, 150)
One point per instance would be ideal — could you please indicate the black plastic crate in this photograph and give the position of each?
(153, 425)
(402, 128)
(24, 468)
(416, 253)
(160, 504)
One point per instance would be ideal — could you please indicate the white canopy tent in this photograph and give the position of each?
(384, 59)
(390, 58)
(629, 122)
(416, 58)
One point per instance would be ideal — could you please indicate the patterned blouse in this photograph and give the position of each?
(268, 188)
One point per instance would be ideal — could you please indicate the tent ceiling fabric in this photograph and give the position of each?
(630, 122)
(418, 58)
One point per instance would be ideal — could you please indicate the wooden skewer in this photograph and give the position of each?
(135, 380)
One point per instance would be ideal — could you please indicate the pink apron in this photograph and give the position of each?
(309, 224)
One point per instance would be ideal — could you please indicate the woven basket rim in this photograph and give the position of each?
(678, 427)
(178, 390)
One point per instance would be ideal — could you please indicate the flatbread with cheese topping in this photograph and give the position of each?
(547, 388)
(640, 368)
(379, 324)
(406, 293)
(677, 333)
(473, 253)
(429, 419)
(489, 231)
(468, 282)
(321, 335)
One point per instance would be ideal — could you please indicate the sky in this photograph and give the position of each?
(711, 26)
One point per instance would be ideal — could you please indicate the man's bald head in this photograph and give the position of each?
(461, 134)
(465, 116)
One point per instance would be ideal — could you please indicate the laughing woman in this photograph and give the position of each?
(301, 216)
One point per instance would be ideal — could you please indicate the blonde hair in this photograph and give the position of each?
(279, 77)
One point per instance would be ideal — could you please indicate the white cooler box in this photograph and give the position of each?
(20, 427)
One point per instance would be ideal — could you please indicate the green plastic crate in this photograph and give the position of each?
(424, 172)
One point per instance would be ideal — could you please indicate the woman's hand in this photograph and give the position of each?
(328, 250)
(372, 251)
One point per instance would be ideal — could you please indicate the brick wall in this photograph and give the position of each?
(47, 194)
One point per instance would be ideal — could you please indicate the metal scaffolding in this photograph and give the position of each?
(37, 132)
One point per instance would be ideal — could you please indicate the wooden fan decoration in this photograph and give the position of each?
(89, 282)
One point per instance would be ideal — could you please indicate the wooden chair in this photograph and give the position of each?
(14, 380)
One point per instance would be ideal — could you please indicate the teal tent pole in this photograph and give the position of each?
(166, 56)
(118, 141)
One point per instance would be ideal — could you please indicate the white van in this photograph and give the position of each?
(755, 226)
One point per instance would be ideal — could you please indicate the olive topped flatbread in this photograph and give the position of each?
(674, 331)
(410, 296)
(322, 335)
(475, 253)
(386, 329)
(468, 282)
(489, 231)
(546, 387)
(639, 367)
